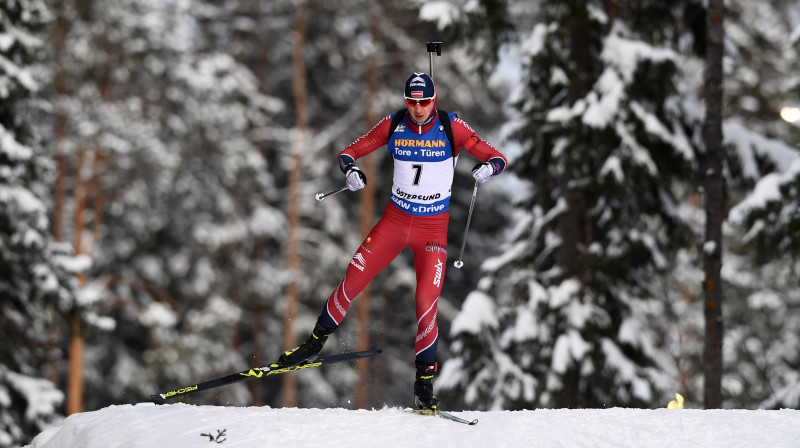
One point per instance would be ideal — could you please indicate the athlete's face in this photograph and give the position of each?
(420, 112)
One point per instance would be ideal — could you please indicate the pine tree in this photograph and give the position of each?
(759, 354)
(35, 282)
(608, 154)
(188, 226)
(762, 175)
(762, 369)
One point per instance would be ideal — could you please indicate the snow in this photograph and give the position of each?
(158, 314)
(534, 44)
(653, 125)
(766, 190)
(74, 264)
(21, 199)
(600, 111)
(569, 346)
(640, 388)
(613, 166)
(11, 148)
(477, 313)
(766, 299)
(625, 54)
(622, 57)
(183, 425)
(564, 292)
(41, 396)
(441, 12)
(749, 145)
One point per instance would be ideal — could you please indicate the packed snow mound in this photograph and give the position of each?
(182, 425)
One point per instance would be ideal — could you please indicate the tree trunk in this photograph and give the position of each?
(58, 36)
(60, 186)
(293, 250)
(715, 202)
(95, 189)
(262, 71)
(571, 222)
(77, 342)
(367, 216)
(75, 379)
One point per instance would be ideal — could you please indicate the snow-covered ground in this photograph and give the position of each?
(181, 425)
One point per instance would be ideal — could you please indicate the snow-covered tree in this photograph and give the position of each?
(36, 285)
(183, 111)
(759, 358)
(183, 222)
(761, 345)
(562, 318)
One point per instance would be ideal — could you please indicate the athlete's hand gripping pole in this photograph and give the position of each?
(458, 262)
(321, 196)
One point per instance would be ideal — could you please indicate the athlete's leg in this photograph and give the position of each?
(429, 243)
(379, 248)
(384, 242)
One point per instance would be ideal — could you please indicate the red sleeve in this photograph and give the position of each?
(468, 139)
(372, 140)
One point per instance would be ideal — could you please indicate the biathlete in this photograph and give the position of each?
(416, 217)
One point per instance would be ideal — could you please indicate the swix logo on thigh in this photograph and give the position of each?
(437, 279)
(358, 258)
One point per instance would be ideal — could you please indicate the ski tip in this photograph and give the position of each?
(157, 399)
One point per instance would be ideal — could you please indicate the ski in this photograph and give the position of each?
(260, 372)
(442, 414)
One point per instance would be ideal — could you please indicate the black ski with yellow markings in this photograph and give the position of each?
(260, 372)
(442, 414)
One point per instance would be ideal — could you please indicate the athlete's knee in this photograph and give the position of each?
(426, 305)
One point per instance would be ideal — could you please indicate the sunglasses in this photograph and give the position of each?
(425, 102)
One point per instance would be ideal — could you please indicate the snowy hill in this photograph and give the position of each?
(181, 425)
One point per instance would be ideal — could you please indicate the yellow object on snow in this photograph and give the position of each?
(677, 403)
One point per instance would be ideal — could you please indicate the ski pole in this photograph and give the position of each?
(321, 196)
(458, 262)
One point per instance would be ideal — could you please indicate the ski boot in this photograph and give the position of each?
(309, 350)
(423, 387)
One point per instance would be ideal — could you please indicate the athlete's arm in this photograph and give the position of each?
(466, 138)
(372, 140)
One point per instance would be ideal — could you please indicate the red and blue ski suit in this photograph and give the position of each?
(416, 216)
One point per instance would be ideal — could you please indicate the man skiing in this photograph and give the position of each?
(425, 147)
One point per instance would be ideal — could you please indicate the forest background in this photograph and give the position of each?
(159, 160)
